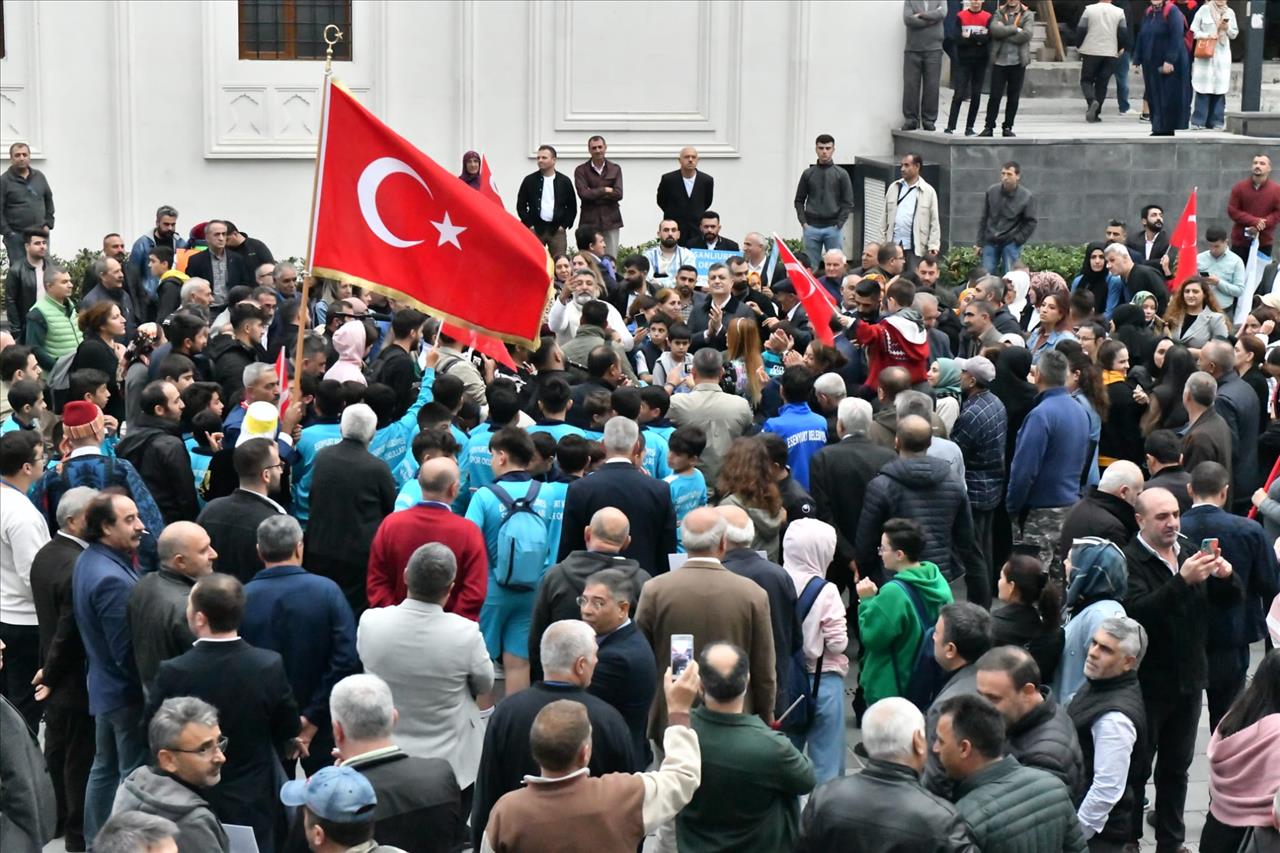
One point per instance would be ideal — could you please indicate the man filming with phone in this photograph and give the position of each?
(1174, 590)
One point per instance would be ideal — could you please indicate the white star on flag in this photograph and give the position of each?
(448, 231)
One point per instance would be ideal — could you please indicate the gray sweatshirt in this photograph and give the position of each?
(153, 792)
(924, 23)
(824, 196)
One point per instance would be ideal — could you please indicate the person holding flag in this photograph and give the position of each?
(899, 338)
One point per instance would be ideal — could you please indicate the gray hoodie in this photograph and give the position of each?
(154, 792)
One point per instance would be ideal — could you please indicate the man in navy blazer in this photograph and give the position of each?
(626, 673)
(1244, 545)
(620, 483)
(307, 619)
(685, 194)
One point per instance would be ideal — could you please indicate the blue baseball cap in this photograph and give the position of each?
(339, 794)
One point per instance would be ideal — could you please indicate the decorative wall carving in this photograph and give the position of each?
(20, 95)
(694, 67)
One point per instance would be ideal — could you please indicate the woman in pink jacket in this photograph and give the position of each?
(1244, 764)
(808, 547)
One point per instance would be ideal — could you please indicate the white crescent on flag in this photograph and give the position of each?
(367, 193)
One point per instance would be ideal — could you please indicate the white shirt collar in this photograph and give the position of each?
(75, 539)
(218, 639)
(625, 459)
(1172, 569)
(90, 450)
(279, 508)
(543, 780)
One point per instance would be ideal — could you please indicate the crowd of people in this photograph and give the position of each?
(1182, 49)
(387, 589)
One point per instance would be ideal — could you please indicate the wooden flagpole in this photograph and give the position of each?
(332, 35)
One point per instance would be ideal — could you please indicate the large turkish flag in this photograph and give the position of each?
(389, 218)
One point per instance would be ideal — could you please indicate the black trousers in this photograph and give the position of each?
(1218, 837)
(967, 86)
(1006, 82)
(1227, 671)
(1171, 741)
(68, 750)
(983, 523)
(21, 661)
(1095, 76)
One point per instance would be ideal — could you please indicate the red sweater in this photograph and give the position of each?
(895, 341)
(402, 533)
(1246, 205)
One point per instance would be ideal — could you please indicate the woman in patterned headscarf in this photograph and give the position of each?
(1042, 284)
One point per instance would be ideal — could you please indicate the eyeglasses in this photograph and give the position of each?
(597, 603)
(205, 750)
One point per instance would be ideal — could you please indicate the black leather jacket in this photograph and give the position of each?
(883, 809)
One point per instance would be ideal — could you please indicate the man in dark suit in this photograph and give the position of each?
(685, 194)
(1206, 438)
(569, 656)
(232, 522)
(625, 669)
(221, 268)
(620, 483)
(1152, 242)
(1238, 405)
(838, 478)
(709, 319)
(744, 561)
(60, 684)
(256, 708)
(708, 235)
(547, 211)
(158, 604)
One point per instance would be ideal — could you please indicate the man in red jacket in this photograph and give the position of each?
(1254, 207)
(898, 339)
(432, 520)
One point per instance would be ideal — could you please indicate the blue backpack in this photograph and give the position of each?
(927, 676)
(522, 541)
(800, 704)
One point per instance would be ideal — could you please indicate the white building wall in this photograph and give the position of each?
(132, 103)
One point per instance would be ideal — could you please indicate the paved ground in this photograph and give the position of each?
(1197, 795)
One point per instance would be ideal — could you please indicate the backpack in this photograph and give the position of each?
(59, 380)
(927, 676)
(522, 541)
(801, 703)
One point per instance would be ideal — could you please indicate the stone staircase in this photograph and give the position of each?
(1052, 89)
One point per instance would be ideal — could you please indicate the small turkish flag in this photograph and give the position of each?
(1184, 240)
(813, 296)
(488, 188)
(282, 380)
(390, 218)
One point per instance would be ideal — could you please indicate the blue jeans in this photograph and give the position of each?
(818, 240)
(825, 737)
(1209, 110)
(1006, 254)
(1122, 81)
(121, 748)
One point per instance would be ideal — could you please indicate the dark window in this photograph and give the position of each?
(293, 29)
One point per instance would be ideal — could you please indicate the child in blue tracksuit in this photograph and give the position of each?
(507, 614)
(804, 430)
(688, 486)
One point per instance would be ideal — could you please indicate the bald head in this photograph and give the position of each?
(914, 436)
(609, 531)
(184, 547)
(725, 670)
(438, 478)
(893, 381)
(739, 531)
(1156, 500)
(702, 533)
